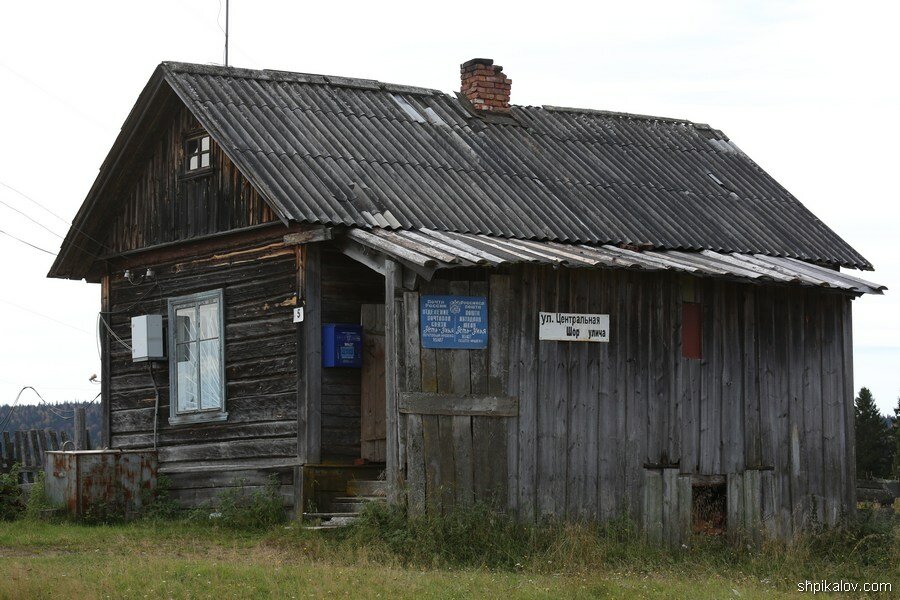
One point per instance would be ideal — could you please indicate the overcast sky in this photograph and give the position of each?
(808, 89)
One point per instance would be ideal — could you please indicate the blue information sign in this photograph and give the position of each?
(453, 322)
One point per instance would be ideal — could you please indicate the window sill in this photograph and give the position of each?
(198, 418)
(196, 174)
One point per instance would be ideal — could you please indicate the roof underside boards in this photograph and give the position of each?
(432, 250)
(367, 154)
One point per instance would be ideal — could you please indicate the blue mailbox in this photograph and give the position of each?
(341, 345)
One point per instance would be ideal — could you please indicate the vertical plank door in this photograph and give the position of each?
(372, 417)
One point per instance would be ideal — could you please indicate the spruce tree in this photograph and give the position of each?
(897, 440)
(874, 443)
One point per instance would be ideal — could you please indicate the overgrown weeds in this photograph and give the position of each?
(239, 508)
(479, 537)
(12, 504)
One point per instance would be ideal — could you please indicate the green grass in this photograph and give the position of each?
(467, 555)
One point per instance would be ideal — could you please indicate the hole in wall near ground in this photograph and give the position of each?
(709, 507)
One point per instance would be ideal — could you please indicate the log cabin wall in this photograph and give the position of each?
(346, 286)
(597, 430)
(260, 436)
(162, 204)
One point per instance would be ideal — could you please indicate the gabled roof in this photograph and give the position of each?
(366, 154)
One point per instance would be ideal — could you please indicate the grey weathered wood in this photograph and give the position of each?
(37, 453)
(447, 461)
(669, 510)
(460, 380)
(479, 360)
(392, 468)
(314, 234)
(652, 515)
(489, 460)
(431, 436)
(684, 510)
(463, 455)
(528, 393)
(503, 369)
(428, 403)
(313, 344)
(735, 506)
(415, 464)
(752, 506)
(53, 440)
(849, 458)
(768, 508)
(80, 431)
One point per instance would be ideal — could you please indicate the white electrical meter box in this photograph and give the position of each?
(147, 338)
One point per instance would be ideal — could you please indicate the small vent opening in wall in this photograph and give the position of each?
(709, 510)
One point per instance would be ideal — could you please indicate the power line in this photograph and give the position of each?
(30, 218)
(27, 243)
(68, 224)
(34, 312)
(32, 200)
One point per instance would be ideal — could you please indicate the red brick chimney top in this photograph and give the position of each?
(485, 85)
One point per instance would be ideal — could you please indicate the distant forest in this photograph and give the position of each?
(59, 417)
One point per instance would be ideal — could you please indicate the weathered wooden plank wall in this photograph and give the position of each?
(259, 280)
(162, 205)
(346, 286)
(767, 404)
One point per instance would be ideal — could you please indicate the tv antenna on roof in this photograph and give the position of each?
(226, 32)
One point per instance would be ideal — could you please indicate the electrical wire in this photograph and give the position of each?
(27, 243)
(30, 218)
(48, 317)
(156, 403)
(100, 319)
(68, 224)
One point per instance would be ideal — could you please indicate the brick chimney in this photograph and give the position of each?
(485, 85)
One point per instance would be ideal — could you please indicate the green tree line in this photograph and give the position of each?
(877, 439)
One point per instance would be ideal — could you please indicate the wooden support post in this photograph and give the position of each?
(392, 280)
(105, 371)
(310, 410)
(80, 431)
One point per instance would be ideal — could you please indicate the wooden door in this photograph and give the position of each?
(372, 415)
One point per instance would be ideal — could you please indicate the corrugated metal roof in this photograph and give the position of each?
(431, 249)
(362, 153)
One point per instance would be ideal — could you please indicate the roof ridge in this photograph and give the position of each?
(621, 115)
(295, 77)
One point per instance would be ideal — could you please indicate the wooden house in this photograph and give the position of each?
(569, 313)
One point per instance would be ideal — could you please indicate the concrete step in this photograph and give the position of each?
(361, 487)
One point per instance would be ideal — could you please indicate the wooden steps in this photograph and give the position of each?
(343, 510)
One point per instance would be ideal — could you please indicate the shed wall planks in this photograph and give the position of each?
(260, 436)
(764, 406)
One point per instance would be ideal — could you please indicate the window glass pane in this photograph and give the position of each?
(192, 147)
(209, 320)
(204, 160)
(204, 143)
(193, 164)
(210, 382)
(187, 377)
(185, 324)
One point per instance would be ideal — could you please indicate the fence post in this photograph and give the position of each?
(80, 437)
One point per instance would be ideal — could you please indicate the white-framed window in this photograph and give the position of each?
(197, 358)
(197, 154)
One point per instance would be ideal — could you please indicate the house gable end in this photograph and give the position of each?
(144, 197)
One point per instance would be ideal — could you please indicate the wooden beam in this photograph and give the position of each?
(392, 277)
(105, 371)
(427, 403)
(310, 412)
(317, 234)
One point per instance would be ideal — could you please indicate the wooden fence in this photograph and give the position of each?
(26, 448)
